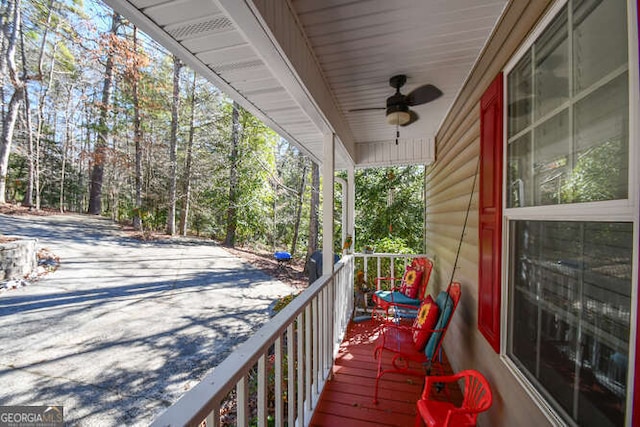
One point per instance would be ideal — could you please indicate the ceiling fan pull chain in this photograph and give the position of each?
(397, 134)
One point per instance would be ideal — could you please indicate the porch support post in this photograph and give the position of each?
(327, 203)
(351, 206)
(345, 214)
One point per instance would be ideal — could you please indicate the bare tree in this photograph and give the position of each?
(303, 183)
(44, 94)
(100, 150)
(68, 140)
(186, 190)
(137, 139)
(173, 148)
(314, 225)
(232, 218)
(11, 29)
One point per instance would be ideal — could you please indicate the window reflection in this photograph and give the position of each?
(570, 309)
(520, 90)
(551, 66)
(519, 180)
(550, 165)
(579, 134)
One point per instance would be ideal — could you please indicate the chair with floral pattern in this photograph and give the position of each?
(403, 300)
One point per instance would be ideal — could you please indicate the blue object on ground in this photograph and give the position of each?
(282, 256)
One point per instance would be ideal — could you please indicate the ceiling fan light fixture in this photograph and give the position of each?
(398, 115)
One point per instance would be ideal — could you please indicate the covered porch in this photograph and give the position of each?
(312, 364)
(321, 74)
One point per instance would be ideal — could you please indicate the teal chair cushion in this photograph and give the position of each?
(445, 304)
(397, 297)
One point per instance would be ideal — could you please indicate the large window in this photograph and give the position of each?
(569, 276)
(571, 308)
(568, 110)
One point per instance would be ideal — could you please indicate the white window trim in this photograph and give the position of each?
(627, 210)
(633, 19)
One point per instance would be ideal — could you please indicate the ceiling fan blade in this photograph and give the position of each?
(423, 94)
(413, 116)
(366, 109)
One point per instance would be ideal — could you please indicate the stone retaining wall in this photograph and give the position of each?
(18, 258)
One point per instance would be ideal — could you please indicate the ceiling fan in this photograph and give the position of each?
(398, 112)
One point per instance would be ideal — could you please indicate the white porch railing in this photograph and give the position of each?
(375, 264)
(281, 369)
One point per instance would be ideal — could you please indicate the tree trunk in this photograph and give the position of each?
(65, 146)
(303, 183)
(44, 94)
(314, 225)
(137, 138)
(11, 115)
(27, 200)
(232, 219)
(173, 147)
(184, 214)
(7, 139)
(84, 162)
(100, 151)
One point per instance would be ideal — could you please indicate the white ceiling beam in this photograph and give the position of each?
(148, 26)
(271, 28)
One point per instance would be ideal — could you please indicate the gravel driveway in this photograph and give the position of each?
(123, 328)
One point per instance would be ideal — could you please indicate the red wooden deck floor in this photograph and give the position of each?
(347, 399)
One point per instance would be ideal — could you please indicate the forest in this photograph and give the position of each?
(99, 118)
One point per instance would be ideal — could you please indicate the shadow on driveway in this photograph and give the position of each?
(123, 328)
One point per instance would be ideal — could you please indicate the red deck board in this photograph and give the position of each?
(399, 403)
(347, 399)
(348, 414)
(321, 419)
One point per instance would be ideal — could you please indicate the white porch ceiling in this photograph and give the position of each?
(301, 65)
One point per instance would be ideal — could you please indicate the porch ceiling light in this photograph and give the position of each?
(398, 115)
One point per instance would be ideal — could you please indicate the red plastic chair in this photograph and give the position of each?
(477, 398)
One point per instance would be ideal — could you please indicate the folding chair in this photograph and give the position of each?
(403, 300)
(399, 342)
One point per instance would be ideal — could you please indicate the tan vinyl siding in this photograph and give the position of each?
(448, 186)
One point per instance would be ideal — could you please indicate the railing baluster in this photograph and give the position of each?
(392, 271)
(291, 383)
(300, 369)
(307, 359)
(213, 419)
(325, 333)
(366, 268)
(332, 323)
(277, 380)
(315, 330)
(242, 406)
(262, 391)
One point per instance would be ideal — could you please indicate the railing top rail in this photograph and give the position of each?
(198, 402)
(395, 255)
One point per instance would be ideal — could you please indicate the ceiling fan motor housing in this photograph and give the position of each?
(397, 107)
(397, 112)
